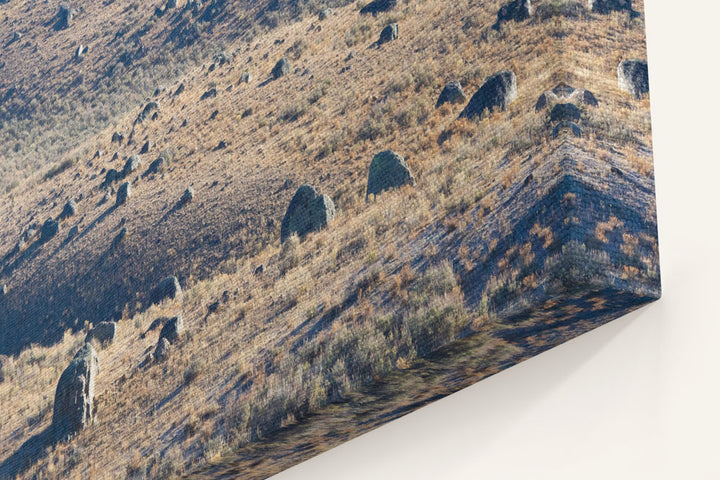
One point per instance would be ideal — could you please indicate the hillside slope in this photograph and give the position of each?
(477, 250)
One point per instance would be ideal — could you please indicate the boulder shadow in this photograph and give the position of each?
(35, 448)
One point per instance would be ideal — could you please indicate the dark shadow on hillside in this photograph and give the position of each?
(27, 455)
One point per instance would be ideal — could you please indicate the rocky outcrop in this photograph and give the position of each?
(73, 408)
(308, 212)
(498, 91)
(378, 6)
(168, 288)
(123, 194)
(388, 170)
(172, 329)
(281, 68)
(103, 333)
(452, 93)
(388, 34)
(633, 77)
(517, 11)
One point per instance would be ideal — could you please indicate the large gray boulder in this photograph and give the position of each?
(123, 193)
(517, 11)
(281, 68)
(103, 333)
(308, 212)
(172, 329)
(168, 288)
(633, 77)
(377, 6)
(388, 34)
(452, 93)
(388, 170)
(73, 408)
(498, 91)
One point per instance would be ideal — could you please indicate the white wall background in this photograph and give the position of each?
(638, 398)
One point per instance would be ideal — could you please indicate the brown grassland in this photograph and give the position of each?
(362, 306)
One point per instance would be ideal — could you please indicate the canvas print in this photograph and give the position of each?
(237, 233)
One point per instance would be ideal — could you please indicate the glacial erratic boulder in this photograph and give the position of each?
(123, 194)
(308, 212)
(388, 34)
(378, 6)
(498, 91)
(281, 68)
(452, 93)
(103, 333)
(73, 407)
(388, 170)
(633, 77)
(168, 288)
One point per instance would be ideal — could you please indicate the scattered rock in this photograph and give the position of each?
(212, 93)
(517, 11)
(172, 329)
(73, 408)
(168, 288)
(565, 111)
(103, 333)
(64, 17)
(187, 196)
(72, 233)
(324, 14)
(3, 290)
(633, 77)
(377, 6)
(608, 6)
(148, 110)
(497, 92)
(120, 236)
(388, 34)
(123, 194)
(308, 212)
(98, 154)
(388, 170)
(49, 229)
(221, 145)
(132, 164)
(157, 166)
(81, 51)
(259, 270)
(146, 147)
(589, 99)
(111, 176)
(162, 350)
(452, 93)
(542, 102)
(118, 137)
(245, 77)
(170, 4)
(69, 209)
(563, 90)
(180, 89)
(567, 126)
(282, 68)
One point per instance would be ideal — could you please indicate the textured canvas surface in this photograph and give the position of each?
(236, 234)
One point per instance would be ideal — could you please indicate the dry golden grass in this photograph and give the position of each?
(237, 368)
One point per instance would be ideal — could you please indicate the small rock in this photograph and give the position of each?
(324, 14)
(162, 350)
(452, 93)
(69, 209)
(187, 196)
(517, 11)
(567, 126)
(72, 233)
(498, 91)
(157, 166)
(589, 99)
(282, 68)
(118, 137)
(378, 6)
(180, 89)
(132, 164)
(172, 329)
(49, 229)
(565, 111)
(245, 77)
(146, 147)
(103, 333)
(308, 212)
(168, 288)
(64, 17)
(123, 194)
(212, 93)
(388, 34)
